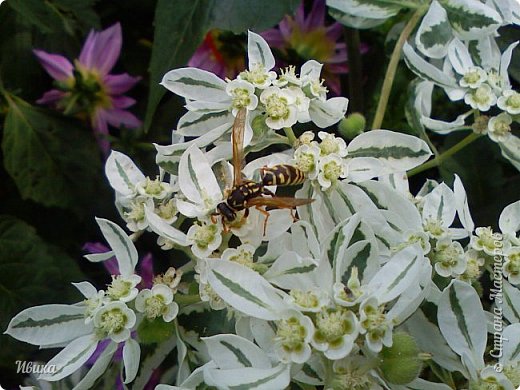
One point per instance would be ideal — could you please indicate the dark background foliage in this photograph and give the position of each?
(51, 179)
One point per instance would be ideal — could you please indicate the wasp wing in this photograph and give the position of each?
(238, 146)
(278, 202)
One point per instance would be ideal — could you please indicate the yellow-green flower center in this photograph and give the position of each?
(291, 334)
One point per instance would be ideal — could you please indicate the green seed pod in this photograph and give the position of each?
(352, 125)
(401, 363)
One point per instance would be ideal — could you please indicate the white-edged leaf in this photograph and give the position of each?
(312, 372)
(509, 221)
(49, 324)
(98, 257)
(122, 173)
(249, 378)
(86, 288)
(329, 112)
(196, 179)
(439, 205)
(429, 339)
(162, 228)
(511, 150)
(397, 274)
(462, 321)
(461, 202)
(365, 168)
(131, 358)
(232, 351)
(245, 290)
(488, 53)
(71, 358)
(174, 150)
(471, 19)
(356, 22)
(511, 337)
(153, 361)
(121, 244)
(195, 124)
(98, 368)
(372, 9)
(425, 70)
(442, 127)
(510, 301)
(183, 371)
(421, 384)
(196, 84)
(399, 152)
(291, 271)
(434, 32)
(459, 56)
(311, 70)
(258, 52)
(505, 60)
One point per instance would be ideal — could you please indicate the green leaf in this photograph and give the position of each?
(50, 158)
(471, 19)
(181, 26)
(32, 272)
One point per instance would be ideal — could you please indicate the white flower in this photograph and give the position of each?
(473, 77)
(114, 320)
(311, 82)
(287, 76)
(157, 302)
(302, 104)
(207, 294)
(474, 262)
(204, 238)
(510, 102)
(330, 144)
(306, 158)
(449, 258)
(280, 107)
(308, 300)
(481, 98)
(374, 324)
(134, 213)
(242, 95)
(511, 266)
(336, 331)
(242, 255)
(352, 293)
(499, 127)
(487, 241)
(153, 188)
(435, 228)
(167, 210)
(331, 168)
(258, 76)
(293, 335)
(92, 304)
(306, 138)
(123, 288)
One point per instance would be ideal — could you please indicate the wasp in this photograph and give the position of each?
(248, 193)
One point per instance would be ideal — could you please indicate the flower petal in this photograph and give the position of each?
(55, 65)
(101, 49)
(119, 83)
(51, 97)
(118, 118)
(122, 101)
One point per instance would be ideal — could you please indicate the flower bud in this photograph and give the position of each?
(352, 125)
(401, 363)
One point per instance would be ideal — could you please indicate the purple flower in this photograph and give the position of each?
(221, 53)
(307, 37)
(86, 89)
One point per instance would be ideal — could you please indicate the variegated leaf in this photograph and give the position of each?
(231, 351)
(425, 70)
(511, 150)
(439, 205)
(329, 112)
(120, 243)
(122, 173)
(399, 152)
(196, 84)
(510, 302)
(245, 290)
(509, 221)
(98, 368)
(131, 358)
(434, 32)
(70, 358)
(463, 323)
(164, 229)
(511, 337)
(373, 9)
(258, 52)
(49, 324)
(196, 124)
(471, 19)
(249, 378)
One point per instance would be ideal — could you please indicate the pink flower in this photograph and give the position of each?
(86, 89)
(221, 53)
(307, 37)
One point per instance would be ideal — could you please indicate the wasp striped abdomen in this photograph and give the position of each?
(282, 175)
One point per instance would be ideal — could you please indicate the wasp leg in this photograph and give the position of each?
(214, 218)
(293, 215)
(265, 191)
(266, 213)
(246, 213)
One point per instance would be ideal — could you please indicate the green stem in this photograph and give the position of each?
(355, 71)
(392, 67)
(185, 300)
(444, 155)
(290, 135)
